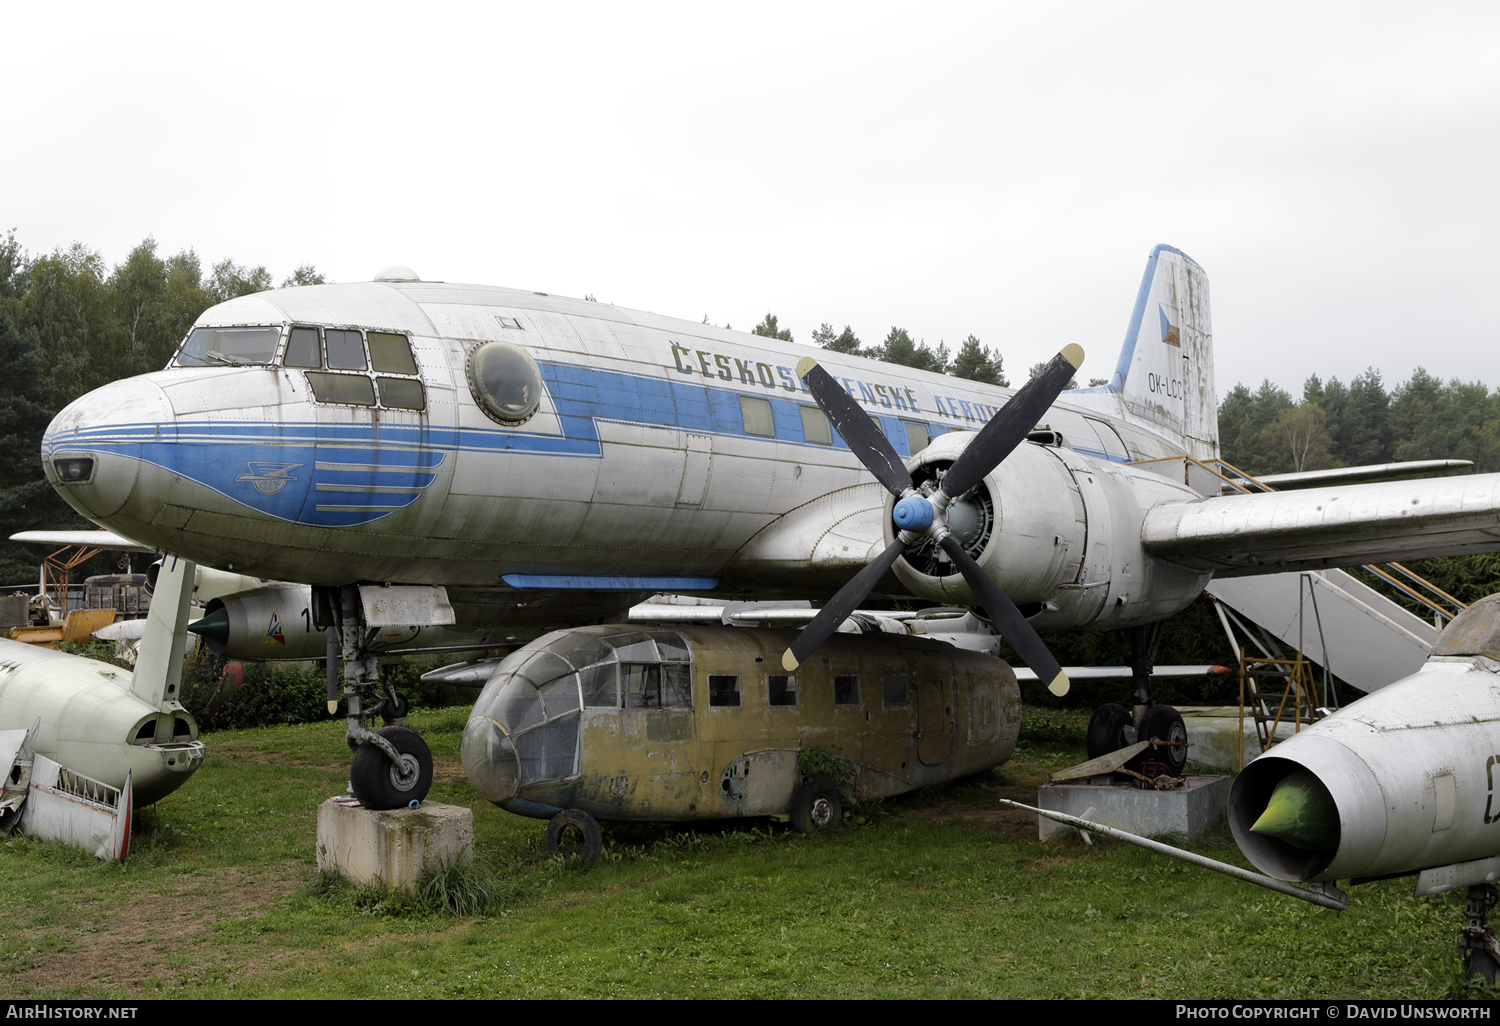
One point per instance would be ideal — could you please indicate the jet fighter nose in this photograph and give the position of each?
(92, 450)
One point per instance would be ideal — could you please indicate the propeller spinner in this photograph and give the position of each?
(917, 515)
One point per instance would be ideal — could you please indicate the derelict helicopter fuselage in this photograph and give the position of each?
(701, 722)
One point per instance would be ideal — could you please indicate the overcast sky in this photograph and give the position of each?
(995, 169)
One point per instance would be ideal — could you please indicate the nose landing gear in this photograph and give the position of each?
(391, 767)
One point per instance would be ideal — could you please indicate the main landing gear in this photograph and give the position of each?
(392, 767)
(1113, 727)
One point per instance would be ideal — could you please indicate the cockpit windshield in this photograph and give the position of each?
(231, 347)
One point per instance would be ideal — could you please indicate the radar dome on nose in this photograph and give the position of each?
(397, 272)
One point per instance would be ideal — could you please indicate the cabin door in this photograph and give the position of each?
(934, 721)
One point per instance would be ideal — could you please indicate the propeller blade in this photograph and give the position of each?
(1005, 616)
(839, 607)
(855, 427)
(1010, 424)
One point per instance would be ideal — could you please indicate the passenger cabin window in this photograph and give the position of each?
(757, 414)
(815, 426)
(230, 347)
(723, 690)
(845, 690)
(917, 437)
(781, 690)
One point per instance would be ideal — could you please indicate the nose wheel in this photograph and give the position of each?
(391, 767)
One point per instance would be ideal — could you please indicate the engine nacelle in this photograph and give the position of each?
(1401, 780)
(1059, 531)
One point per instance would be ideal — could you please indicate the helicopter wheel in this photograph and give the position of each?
(816, 808)
(1107, 729)
(573, 832)
(380, 784)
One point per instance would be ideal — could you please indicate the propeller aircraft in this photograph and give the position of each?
(435, 453)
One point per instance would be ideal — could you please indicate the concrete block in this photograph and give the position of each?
(1187, 813)
(395, 846)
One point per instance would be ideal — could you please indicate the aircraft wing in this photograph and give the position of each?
(1317, 528)
(93, 539)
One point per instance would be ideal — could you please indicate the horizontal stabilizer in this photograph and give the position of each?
(1318, 528)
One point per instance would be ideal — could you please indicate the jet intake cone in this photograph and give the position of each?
(1302, 813)
(214, 628)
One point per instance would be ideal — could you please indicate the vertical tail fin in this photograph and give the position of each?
(1165, 373)
(158, 666)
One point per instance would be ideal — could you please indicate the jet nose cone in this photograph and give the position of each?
(490, 760)
(92, 450)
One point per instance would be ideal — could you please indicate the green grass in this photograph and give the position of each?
(940, 894)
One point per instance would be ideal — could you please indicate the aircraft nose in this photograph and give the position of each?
(92, 450)
(490, 760)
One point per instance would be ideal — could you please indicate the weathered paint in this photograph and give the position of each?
(958, 714)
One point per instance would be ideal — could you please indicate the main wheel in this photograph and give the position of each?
(379, 783)
(1163, 723)
(1107, 729)
(574, 832)
(816, 807)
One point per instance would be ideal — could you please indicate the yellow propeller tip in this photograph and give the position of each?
(333, 707)
(1073, 354)
(1059, 685)
(805, 366)
(788, 661)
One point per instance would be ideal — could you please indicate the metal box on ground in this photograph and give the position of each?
(1189, 812)
(395, 847)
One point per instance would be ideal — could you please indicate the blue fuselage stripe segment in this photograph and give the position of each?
(554, 582)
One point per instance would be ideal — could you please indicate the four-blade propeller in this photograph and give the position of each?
(917, 515)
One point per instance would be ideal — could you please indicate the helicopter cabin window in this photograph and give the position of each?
(656, 686)
(846, 690)
(782, 689)
(917, 437)
(723, 690)
(896, 689)
(815, 426)
(757, 414)
(230, 347)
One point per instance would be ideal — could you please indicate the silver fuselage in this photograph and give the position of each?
(637, 469)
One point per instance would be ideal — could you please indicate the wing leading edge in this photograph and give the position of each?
(1317, 528)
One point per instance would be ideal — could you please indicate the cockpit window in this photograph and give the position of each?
(302, 349)
(346, 350)
(232, 347)
(391, 353)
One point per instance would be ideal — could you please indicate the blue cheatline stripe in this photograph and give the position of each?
(583, 583)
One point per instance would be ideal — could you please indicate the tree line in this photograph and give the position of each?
(1337, 425)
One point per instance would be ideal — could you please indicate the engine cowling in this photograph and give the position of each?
(1024, 524)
